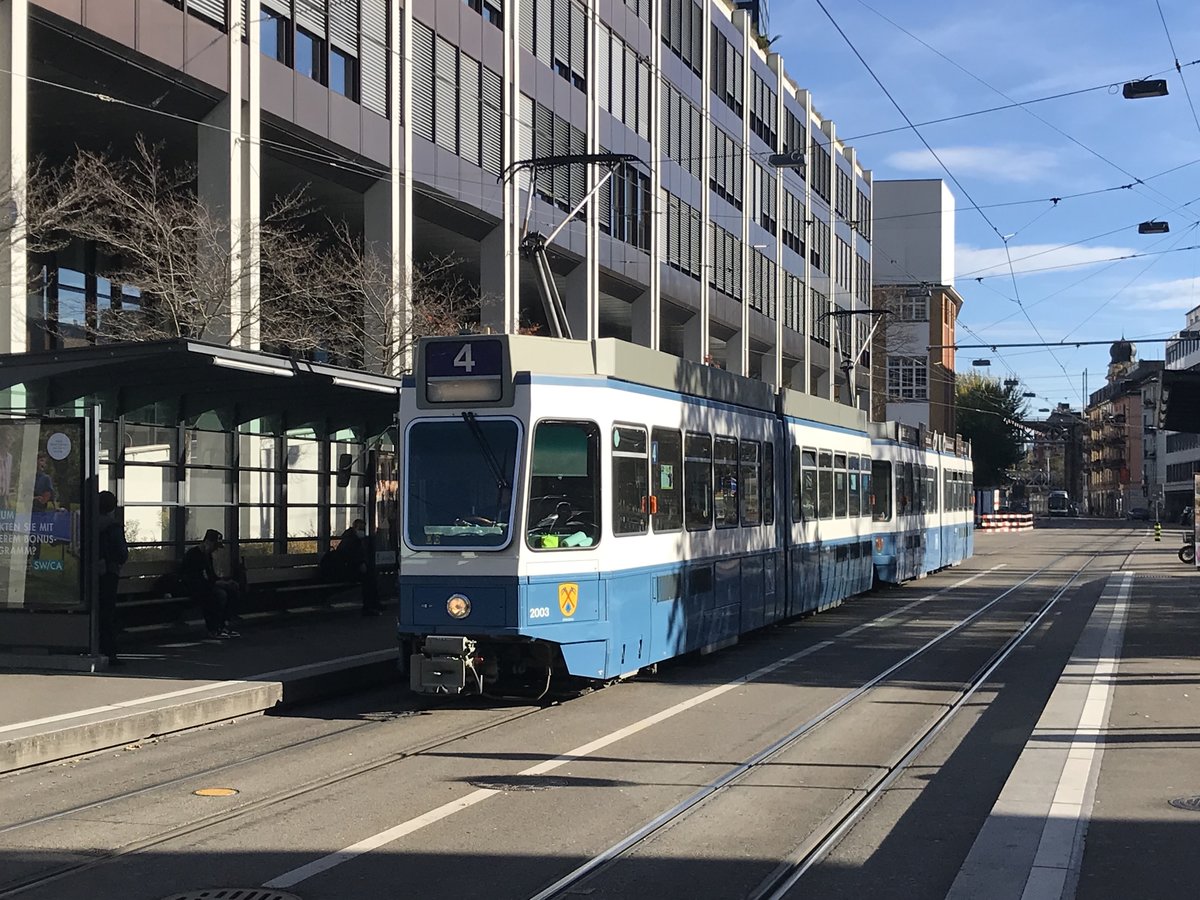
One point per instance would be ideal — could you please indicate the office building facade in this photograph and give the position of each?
(405, 121)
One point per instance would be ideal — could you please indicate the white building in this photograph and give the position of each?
(914, 284)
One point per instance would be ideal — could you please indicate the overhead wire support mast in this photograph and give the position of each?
(533, 244)
(848, 362)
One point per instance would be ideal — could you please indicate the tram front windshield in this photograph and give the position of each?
(459, 481)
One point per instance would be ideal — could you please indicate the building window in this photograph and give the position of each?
(914, 306)
(343, 73)
(489, 9)
(310, 55)
(907, 378)
(273, 36)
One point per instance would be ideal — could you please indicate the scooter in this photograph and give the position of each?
(1187, 553)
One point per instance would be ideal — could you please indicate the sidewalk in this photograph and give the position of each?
(1104, 802)
(171, 682)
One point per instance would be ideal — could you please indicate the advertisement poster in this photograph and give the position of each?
(42, 472)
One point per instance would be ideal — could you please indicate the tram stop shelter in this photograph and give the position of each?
(278, 454)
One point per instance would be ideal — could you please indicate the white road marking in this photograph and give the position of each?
(374, 842)
(1048, 794)
(1070, 811)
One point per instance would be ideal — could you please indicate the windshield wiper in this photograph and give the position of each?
(486, 448)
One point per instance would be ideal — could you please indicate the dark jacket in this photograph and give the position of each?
(197, 572)
(113, 549)
(348, 560)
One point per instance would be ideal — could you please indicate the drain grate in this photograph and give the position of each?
(1191, 804)
(229, 893)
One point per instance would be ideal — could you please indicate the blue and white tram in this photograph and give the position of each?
(922, 515)
(592, 508)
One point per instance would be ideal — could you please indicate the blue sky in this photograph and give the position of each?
(1094, 141)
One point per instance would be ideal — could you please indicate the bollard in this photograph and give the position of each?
(1158, 531)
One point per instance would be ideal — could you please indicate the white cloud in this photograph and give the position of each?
(1008, 164)
(1177, 294)
(990, 262)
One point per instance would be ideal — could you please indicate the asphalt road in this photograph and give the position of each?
(373, 796)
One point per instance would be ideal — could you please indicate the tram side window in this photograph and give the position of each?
(564, 487)
(864, 484)
(797, 481)
(839, 485)
(725, 470)
(881, 491)
(631, 480)
(808, 491)
(904, 490)
(853, 487)
(749, 482)
(932, 479)
(768, 483)
(698, 482)
(666, 461)
(948, 489)
(824, 485)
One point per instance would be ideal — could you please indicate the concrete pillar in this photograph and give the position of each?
(388, 333)
(228, 181)
(695, 333)
(591, 258)
(14, 92)
(646, 317)
(514, 195)
(775, 372)
(400, 195)
(738, 355)
(581, 306)
(493, 280)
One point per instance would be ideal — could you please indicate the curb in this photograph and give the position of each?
(102, 728)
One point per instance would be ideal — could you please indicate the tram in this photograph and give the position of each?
(589, 509)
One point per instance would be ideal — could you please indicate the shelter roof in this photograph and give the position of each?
(237, 385)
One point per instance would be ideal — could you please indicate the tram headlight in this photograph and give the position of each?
(458, 606)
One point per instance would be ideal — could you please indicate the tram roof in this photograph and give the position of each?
(238, 385)
(621, 360)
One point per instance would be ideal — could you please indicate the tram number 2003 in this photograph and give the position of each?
(539, 612)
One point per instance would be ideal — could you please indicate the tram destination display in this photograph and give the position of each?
(463, 370)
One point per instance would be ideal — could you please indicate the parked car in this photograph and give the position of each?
(1138, 514)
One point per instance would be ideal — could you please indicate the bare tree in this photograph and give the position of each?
(318, 288)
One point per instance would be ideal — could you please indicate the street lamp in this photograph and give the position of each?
(1147, 87)
(1154, 227)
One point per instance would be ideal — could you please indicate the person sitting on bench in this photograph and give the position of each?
(217, 596)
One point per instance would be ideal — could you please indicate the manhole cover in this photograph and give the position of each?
(1191, 804)
(254, 893)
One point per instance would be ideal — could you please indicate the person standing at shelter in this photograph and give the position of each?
(112, 553)
(216, 596)
(353, 560)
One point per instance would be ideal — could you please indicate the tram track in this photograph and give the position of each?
(312, 786)
(791, 870)
(332, 779)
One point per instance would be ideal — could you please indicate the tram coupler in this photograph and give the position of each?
(441, 666)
